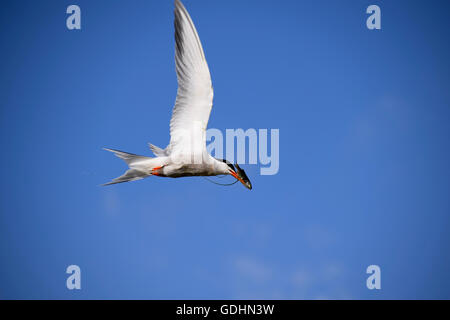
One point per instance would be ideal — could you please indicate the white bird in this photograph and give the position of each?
(186, 153)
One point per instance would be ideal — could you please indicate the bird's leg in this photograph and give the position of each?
(155, 171)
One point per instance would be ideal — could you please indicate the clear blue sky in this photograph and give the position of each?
(364, 151)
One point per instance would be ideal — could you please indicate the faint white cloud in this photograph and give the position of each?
(253, 278)
(332, 271)
(257, 232)
(388, 112)
(318, 237)
(111, 202)
(252, 269)
(302, 278)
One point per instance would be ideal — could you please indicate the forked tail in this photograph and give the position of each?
(135, 162)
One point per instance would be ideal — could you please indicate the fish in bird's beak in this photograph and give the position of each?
(241, 176)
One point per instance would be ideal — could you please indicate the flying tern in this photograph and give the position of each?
(186, 153)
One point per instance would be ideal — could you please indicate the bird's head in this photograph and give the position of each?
(239, 174)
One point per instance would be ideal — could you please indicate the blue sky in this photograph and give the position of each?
(364, 128)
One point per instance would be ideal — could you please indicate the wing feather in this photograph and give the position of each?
(195, 93)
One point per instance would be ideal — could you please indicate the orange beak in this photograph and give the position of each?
(234, 174)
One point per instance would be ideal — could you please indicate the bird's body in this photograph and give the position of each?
(186, 153)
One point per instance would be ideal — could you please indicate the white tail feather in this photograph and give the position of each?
(136, 163)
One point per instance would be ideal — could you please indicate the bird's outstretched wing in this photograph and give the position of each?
(195, 93)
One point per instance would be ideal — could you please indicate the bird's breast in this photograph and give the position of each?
(188, 170)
